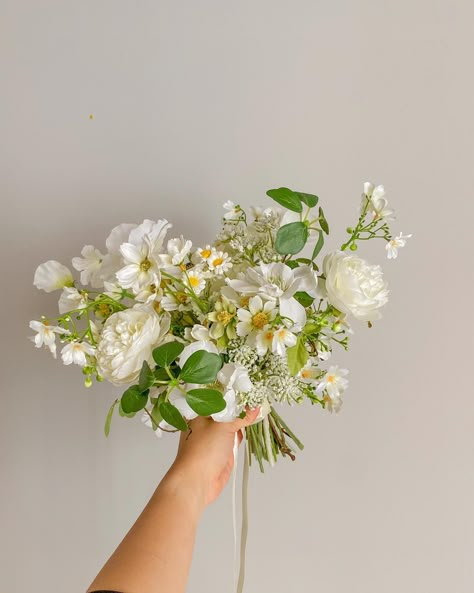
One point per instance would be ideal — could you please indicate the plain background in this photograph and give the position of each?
(195, 103)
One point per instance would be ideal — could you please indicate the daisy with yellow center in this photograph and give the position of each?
(204, 253)
(219, 262)
(195, 279)
(256, 317)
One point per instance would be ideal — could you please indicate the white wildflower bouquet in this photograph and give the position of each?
(243, 322)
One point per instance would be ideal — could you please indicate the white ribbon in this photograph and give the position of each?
(264, 411)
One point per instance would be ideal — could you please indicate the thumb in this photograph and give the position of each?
(241, 423)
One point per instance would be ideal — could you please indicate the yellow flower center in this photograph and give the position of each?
(282, 333)
(205, 253)
(269, 336)
(244, 301)
(306, 373)
(194, 281)
(145, 265)
(217, 262)
(331, 379)
(260, 320)
(224, 317)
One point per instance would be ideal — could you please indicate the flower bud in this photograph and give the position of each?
(353, 247)
(88, 382)
(349, 230)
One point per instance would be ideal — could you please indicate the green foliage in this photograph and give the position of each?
(161, 375)
(304, 298)
(156, 416)
(287, 198)
(291, 238)
(297, 356)
(147, 377)
(323, 222)
(201, 367)
(205, 401)
(108, 420)
(172, 415)
(167, 353)
(318, 246)
(308, 199)
(133, 399)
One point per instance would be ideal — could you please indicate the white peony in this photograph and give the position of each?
(128, 338)
(354, 286)
(52, 276)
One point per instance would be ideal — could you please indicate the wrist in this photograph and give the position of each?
(185, 485)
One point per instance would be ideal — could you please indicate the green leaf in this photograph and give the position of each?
(292, 263)
(297, 357)
(318, 246)
(323, 222)
(147, 377)
(108, 420)
(304, 298)
(201, 367)
(164, 355)
(205, 401)
(161, 375)
(291, 238)
(309, 199)
(287, 198)
(124, 414)
(311, 328)
(133, 400)
(173, 416)
(156, 416)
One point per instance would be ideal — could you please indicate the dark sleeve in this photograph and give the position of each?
(104, 591)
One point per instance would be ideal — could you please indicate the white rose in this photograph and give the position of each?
(354, 286)
(128, 338)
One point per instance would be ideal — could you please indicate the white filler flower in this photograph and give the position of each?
(90, 266)
(75, 352)
(354, 286)
(377, 202)
(52, 276)
(395, 244)
(46, 335)
(128, 338)
(334, 382)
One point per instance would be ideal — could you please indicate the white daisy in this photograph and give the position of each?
(75, 352)
(219, 262)
(256, 317)
(195, 279)
(395, 244)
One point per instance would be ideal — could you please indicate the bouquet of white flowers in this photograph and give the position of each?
(242, 322)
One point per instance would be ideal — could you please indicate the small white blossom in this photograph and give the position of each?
(178, 249)
(310, 371)
(219, 262)
(51, 276)
(282, 339)
(333, 383)
(233, 211)
(46, 335)
(113, 290)
(195, 279)
(75, 352)
(71, 299)
(377, 203)
(395, 244)
(90, 266)
(197, 332)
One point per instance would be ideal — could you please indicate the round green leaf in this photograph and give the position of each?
(205, 401)
(173, 416)
(286, 198)
(309, 199)
(133, 400)
(201, 367)
(297, 357)
(164, 355)
(291, 238)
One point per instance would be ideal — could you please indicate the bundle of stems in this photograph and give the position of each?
(268, 438)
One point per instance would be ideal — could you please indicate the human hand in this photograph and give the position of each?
(205, 455)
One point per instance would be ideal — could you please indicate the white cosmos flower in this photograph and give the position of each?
(75, 352)
(278, 281)
(377, 202)
(233, 211)
(333, 383)
(354, 286)
(195, 279)
(52, 275)
(46, 335)
(282, 339)
(113, 259)
(128, 338)
(90, 266)
(395, 244)
(178, 249)
(71, 299)
(219, 262)
(141, 255)
(256, 317)
(234, 379)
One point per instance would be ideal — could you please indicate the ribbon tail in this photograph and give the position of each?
(245, 520)
(234, 503)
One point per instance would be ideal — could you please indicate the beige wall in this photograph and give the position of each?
(195, 103)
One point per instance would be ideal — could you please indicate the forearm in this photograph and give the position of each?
(155, 555)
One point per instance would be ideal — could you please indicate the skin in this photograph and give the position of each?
(155, 555)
